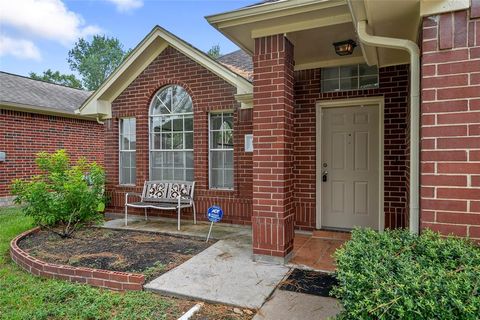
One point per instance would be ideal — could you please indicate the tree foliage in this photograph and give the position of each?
(56, 77)
(96, 60)
(214, 52)
(64, 196)
(398, 275)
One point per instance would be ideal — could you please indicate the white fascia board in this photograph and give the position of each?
(302, 25)
(268, 11)
(90, 106)
(434, 7)
(42, 110)
(100, 105)
(245, 99)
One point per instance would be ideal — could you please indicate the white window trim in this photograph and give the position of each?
(120, 150)
(150, 133)
(217, 112)
(339, 78)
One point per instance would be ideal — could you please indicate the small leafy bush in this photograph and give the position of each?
(397, 275)
(64, 196)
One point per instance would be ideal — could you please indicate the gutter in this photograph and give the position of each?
(99, 121)
(414, 51)
(43, 110)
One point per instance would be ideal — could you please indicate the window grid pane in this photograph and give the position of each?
(221, 150)
(347, 78)
(127, 151)
(171, 135)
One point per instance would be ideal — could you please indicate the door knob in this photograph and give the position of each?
(324, 176)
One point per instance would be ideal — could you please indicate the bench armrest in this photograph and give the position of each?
(131, 194)
(184, 197)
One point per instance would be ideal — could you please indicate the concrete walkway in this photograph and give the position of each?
(286, 305)
(223, 273)
(220, 231)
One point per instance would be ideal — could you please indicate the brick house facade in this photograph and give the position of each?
(208, 92)
(393, 86)
(80, 138)
(36, 116)
(276, 187)
(173, 67)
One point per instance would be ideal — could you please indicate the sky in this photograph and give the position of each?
(36, 35)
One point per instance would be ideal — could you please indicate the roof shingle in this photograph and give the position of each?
(23, 91)
(238, 61)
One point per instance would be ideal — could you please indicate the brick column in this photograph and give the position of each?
(273, 214)
(450, 123)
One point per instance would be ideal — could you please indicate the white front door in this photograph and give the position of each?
(350, 167)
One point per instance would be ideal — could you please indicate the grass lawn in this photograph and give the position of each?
(23, 296)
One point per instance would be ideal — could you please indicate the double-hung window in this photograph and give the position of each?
(171, 135)
(221, 150)
(127, 148)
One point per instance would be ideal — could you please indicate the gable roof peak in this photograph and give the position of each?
(155, 42)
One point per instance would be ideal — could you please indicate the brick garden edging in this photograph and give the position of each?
(113, 280)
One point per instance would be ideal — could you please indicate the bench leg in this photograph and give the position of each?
(178, 226)
(126, 215)
(146, 217)
(194, 214)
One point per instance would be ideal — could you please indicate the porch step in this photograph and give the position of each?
(329, 234)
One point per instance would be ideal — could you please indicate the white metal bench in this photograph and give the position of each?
(164, 195)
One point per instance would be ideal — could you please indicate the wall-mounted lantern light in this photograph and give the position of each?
(344, 48)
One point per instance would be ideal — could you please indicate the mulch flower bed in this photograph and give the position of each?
(147, 253)
(310, 282)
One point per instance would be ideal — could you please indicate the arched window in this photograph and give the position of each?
(171, 135)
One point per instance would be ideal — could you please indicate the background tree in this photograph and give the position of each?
(214, 52)
(56, 77)
(96, 60)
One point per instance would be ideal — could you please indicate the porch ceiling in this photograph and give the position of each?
(313, 26)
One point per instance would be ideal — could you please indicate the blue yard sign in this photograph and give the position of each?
(214, 214)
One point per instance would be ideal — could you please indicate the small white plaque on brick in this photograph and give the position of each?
(249, 143)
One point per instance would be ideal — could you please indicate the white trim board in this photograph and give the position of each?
(338, 103)
(99, 103)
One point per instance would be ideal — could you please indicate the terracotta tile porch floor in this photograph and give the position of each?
(315, 250)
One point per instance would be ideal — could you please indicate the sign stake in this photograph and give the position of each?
(214, 214)
(209, 231)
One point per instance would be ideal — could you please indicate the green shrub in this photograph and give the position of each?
(397, 275)
(64, 196)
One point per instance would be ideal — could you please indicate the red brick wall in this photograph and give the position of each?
(394, 88)
(23, 135)
(450, 123)
(273, 130)
(172, 67)
(209, 92)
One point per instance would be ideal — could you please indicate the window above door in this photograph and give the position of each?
(346, 78)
